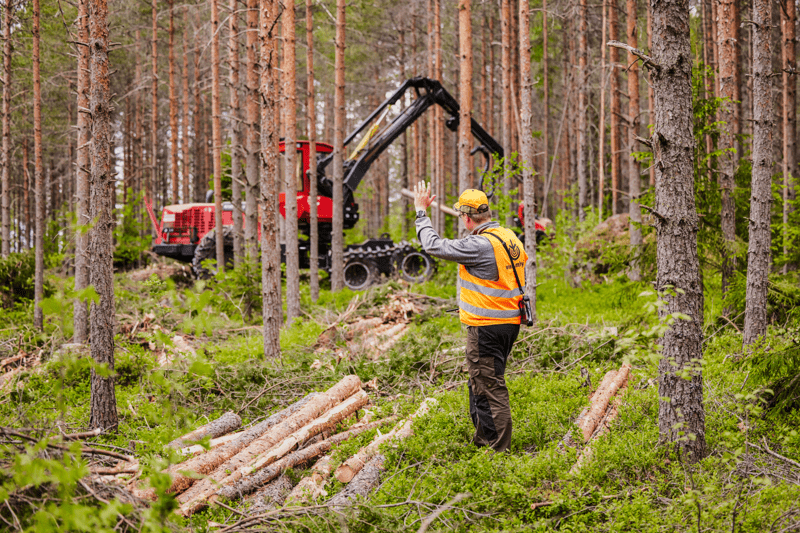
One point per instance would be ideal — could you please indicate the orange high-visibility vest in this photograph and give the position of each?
(484, 302)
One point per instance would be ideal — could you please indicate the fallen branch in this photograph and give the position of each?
(446, 507)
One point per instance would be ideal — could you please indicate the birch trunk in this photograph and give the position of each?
(527, 151)
(5, 182)
(758, 250)
(81, 307)
(681, 412)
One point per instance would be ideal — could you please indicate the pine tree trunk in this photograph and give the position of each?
(101, 239)
(727, 159)
(81, 307)
(38, 178)
(311, 113)
(403, 141)
(173, 109)
(252, 162)
(758, 250)
(505, 98)
(290, 157)
(26, 187)
(582, 130)
(601, 163)
(634, 181)
(5, 185)
(545, 106)
(216, 134)
(789, 63)
(270, 247)
(681, 413)
(236, 164)
(153, 183)
(650, 95)
(185, 117)
(465, 109)
(197, 120)
(337, 246)
(527, 150)
(492, 75)
(616, 108)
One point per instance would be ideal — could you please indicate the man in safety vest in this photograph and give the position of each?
(489, 304)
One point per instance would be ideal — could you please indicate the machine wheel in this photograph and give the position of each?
(540, 236)
(359, 274)
(416, 266)
(207, 249)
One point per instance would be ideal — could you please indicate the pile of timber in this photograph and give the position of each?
(250, 463)
(596, 419)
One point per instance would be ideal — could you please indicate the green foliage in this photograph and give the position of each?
(132, 235)
(240, 290)
(17, 273)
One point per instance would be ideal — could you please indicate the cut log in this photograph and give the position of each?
(606, 390)
(312, 487)
(207, 462)
(361, 485)
(197, 495)
(271, 496)
(223, 425)
(347, 470)
(213, 443)
(258, 479)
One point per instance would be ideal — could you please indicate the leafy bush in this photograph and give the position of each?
(17, 275)
(132, 235)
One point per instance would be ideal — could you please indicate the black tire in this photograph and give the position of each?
(416, 266)
(207, 249)
(360, 274)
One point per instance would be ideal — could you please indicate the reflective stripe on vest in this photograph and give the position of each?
(485, 302)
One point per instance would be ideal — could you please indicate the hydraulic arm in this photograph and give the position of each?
(428, 92)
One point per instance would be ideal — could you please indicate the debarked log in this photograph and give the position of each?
(223, 425)
(362, 484)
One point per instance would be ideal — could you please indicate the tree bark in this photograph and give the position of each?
(364, 482)
(223, 425)
(545, 106)
(613, 34)
(26, 187)
(728, 158)
(290, 158)
(216, 134)
(80, 308)
(5, 182)
(758, 250)
(153, 183)
(185, 117)
(634, 181)
(601, 163)
(311, 114)
(38, 287)
(789, 63)
(173, 109)
(505, 98)
(101, 240)
(582, 133)
(465, 109)
(272, 310)
(252, 147)
(236, 165)
(681, 415)
(650, 95)
(527, 151)
(337, 246)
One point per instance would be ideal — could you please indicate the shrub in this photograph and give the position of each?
(17, 278)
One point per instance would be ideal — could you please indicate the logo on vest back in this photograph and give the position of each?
(514, 250)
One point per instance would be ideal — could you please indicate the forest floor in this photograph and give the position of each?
(188, 352)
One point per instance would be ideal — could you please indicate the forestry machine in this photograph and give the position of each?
(186, 232)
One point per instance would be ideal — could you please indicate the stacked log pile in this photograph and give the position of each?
(251, 463)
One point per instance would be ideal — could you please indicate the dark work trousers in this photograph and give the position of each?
(487, 352)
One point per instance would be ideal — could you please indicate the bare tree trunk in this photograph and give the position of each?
(5, 186)
(613, 34)
(101, 239)
(403, 142)
(197, 119)
(252, 163)
(38, 288)
(681, 416)
(582, 133)
(185, 118)
(634, 181)
(236, 165)
(216, 135)
(727, 161)
(527, 150)
(311, 113)
(81, 307)
(173, 108)
(337, 246)
(438, 139)
(601, 163)
(26, 192)
(290, 151)
(151, 187)
(545, 107)
(505, 98)
(758, 250)
(270, 247)
(789, 63)
(465, 109)
(650, 94)
(492, 76)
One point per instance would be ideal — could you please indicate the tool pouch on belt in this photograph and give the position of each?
(525, 312)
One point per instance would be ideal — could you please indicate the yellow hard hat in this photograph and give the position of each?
(471, 202)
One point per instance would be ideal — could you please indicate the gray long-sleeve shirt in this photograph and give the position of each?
(474, 251)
